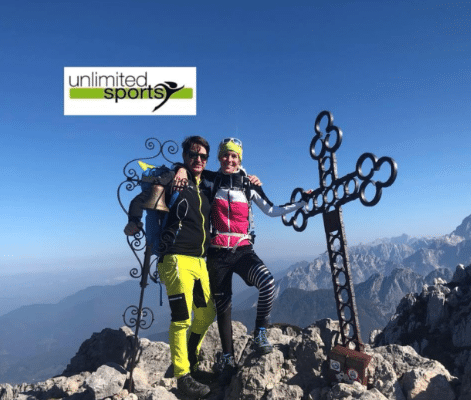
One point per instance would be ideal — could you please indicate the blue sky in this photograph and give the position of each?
(395, 75)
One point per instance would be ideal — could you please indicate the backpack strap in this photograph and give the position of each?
(216, 183)
(251, 230)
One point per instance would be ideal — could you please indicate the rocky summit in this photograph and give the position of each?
(423, 353)
(437, 324)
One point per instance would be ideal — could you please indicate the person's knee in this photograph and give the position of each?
(182, 325)
(211, 313)
(223, 302)
(268, 284)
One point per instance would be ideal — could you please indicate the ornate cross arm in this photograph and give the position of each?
(334, 192)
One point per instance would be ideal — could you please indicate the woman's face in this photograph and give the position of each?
(229, 162)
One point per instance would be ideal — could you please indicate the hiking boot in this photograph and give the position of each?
(205, 377)
(189, 387)
(226, 368)
(262, 345)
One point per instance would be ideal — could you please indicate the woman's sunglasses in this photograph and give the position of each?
(233, 140)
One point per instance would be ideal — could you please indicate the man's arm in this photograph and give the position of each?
(254, 180)
(134, 224)
(136, 208)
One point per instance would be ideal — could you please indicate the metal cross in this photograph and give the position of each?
(327, 200)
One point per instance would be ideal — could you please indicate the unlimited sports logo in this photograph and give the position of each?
(129, 91)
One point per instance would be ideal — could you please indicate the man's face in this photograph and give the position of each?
(194, 159)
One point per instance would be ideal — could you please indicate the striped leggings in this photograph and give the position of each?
(222, 263)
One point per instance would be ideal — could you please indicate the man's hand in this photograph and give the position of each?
(132, 228)
(254, 179)
(180, 181)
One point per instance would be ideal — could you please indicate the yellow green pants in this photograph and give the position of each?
(187, 283)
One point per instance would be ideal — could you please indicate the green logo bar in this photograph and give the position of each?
(125, 93)
(87, 93)
(185, 93)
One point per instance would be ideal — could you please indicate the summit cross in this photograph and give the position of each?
(327, 200)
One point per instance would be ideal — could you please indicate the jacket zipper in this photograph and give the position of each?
(202, 216)
(229, 211)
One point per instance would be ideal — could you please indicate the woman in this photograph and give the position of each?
(231, 249)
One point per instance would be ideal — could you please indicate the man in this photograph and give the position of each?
(182, 268)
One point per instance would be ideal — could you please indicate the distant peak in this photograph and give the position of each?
(464, 229)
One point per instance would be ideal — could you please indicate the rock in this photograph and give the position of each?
(354, 391)
(405, 358)
(421, 384)
(282, 391)
(131, 396)
(212, 345)
(384, 377)
(315, 394)
(296, 369)
(435, 308)
(107, 381)
(6, 392)
(257, 375)
(153, 363)
(461, 334)
(436, 322)
(465, 393)
(464, 229)
(74, 384)
(309, 355)
(373, 336)
(460, 274)
(140, 381)
(58, 387)
(109, 345)
(159, 393)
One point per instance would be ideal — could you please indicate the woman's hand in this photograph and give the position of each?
(306, 195)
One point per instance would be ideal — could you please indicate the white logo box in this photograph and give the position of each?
(129, 90)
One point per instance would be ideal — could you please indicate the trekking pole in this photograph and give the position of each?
(140, 312)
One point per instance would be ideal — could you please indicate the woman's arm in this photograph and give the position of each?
(259, 197)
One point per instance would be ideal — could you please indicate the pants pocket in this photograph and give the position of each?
(198, 295)
(178, 307)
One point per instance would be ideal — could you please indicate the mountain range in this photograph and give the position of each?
(36, 341)
(383, 272)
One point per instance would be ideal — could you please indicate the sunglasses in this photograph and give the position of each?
(233, 140)
(194, 155)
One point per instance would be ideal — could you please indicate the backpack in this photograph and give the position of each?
(156, 220)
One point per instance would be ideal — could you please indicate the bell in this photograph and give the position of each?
(156, 200)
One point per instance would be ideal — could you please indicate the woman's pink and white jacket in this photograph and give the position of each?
(230, 210)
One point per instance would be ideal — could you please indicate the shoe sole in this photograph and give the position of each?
(200, 396)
